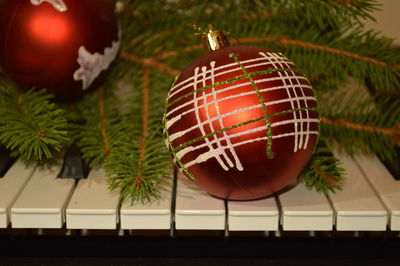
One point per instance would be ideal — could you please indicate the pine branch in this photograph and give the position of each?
(145, 121)
(361, 125)
(288, 42)
(393, 133)
(340, 54)
(30, 125)
(329, 13)
(284, 41)
(323, 172)
(102, 128)
(381, 72)
(100, 124)
(103, 123)
(139, 163)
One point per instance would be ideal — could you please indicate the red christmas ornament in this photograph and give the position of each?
(61, 45)
(241, 121)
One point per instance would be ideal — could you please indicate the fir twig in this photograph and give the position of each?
(101, 128)
(340, 11)
(394, 132)
(145, 120)
(287, 42)
(103, 122)
(139, 163)
(30, 125)
(323, 172)
(359, 124)
(332, 59)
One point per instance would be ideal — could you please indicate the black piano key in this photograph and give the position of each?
(394, 166)
(73, 165)
(6, 161)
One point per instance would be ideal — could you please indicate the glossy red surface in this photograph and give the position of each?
(39, 44)
(261, 176)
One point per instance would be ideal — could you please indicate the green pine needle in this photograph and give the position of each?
(31, 125)
(361, 125)
(139, 180)
(139, 164)
(323, 172)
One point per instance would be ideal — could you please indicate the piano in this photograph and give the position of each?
(43, 214)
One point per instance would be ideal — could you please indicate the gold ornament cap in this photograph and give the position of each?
(215, 40)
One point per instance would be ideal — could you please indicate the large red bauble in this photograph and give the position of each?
(60, 45)
(242, 122)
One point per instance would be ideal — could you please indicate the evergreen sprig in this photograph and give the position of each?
(119, 125)
(361, 124)
(30, 124)
(137, 177)
(323, 172)
(314, 11)
(140, 163)
(101, 126)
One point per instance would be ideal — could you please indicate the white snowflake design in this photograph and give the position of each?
(58, 4)
(91, 65)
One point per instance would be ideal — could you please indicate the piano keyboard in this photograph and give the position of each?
(36, 198)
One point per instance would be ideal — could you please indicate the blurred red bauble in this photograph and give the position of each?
(242, 122)
(60, 45)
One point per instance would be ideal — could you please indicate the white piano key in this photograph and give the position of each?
(255, 215)
(10, 187)
(155, 215)
(357, 207)
(385, 185)
(93, 205)
(196, 209)
(42, 202)
(304, 210)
